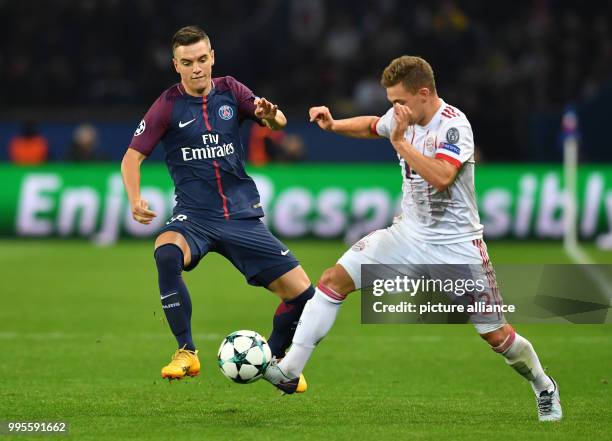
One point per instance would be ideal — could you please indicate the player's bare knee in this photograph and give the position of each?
(497, 337)
(337, 278)
(177, 239)
(327, 277)
(291, 284)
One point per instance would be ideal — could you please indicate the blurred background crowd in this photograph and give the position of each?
(81, 69)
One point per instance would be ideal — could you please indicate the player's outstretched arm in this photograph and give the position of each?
(270, 114)
(130, 171)
(357, 127)
(438, 172)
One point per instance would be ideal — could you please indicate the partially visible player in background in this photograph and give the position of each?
(218, 207)
(439, 223)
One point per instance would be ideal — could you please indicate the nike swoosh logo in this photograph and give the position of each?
(284, 253)
(166, 296)
(182, 124)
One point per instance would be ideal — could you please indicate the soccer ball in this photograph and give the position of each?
(244, 356)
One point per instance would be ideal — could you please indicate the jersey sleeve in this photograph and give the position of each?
(384, 125)
(455, 142)
(152, 127)
(245, 99)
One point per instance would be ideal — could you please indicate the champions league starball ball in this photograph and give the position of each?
(244, 356)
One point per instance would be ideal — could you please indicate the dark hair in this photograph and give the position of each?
(412, 72)
(188, 35)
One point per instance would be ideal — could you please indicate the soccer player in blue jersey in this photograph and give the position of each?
(218, 209)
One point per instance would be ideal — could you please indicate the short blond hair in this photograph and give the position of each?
(413, 72)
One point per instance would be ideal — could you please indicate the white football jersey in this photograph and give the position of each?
(449, 216)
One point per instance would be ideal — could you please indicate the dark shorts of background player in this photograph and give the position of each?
(247, 243)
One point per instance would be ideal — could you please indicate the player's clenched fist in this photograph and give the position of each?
(141, 212)
(322, 116)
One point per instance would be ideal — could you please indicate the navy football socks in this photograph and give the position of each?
(285, 321)
(174, 294)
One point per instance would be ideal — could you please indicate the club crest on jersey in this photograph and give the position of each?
(226, 112)
(359, 246)
(430, 144)
(452, 135)
(141, 128)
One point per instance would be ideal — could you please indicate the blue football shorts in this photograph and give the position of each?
(247, 243)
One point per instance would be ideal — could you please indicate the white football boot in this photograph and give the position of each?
(549, 404)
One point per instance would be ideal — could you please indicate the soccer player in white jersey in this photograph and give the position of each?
(439, 222)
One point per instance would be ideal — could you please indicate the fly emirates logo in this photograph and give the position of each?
(209, 151)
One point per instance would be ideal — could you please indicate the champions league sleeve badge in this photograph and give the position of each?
(452, 135)
(141, 128)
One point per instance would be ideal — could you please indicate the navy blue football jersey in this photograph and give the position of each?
(203, 151)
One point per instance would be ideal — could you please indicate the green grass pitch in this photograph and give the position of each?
(82, 339)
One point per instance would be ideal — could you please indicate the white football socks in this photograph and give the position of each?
(521, 356)
(317, 319)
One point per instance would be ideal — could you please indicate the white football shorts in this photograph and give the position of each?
(395, 245)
